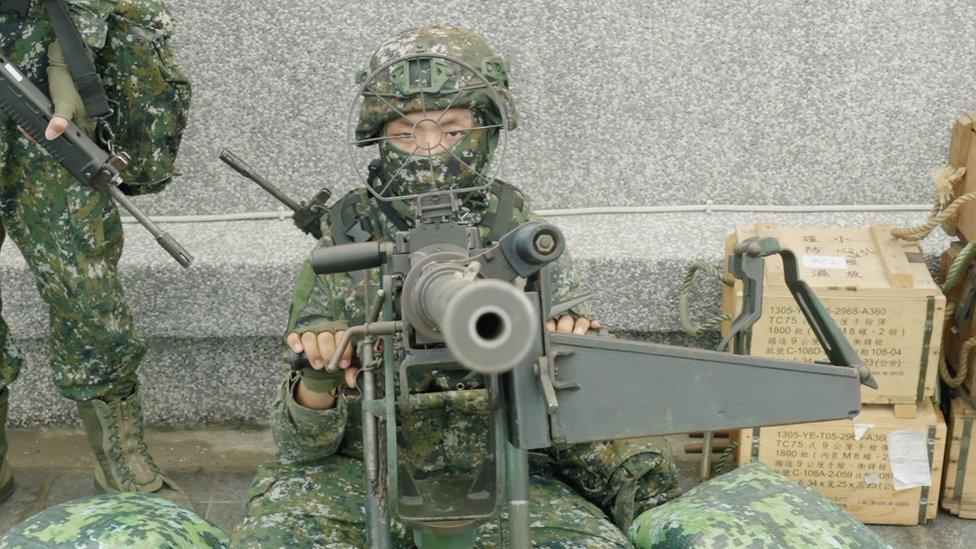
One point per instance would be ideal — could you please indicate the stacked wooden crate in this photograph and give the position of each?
(961, 326)
(885, 465)
(959, 496)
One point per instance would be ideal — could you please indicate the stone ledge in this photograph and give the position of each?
(213, 330)
(241, 281)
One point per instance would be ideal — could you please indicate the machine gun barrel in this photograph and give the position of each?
(490, 326)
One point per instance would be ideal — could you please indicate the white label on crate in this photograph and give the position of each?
(860, 429)
(873, 478)
(909, 457)
(824, 262)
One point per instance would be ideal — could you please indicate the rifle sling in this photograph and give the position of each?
(81, 63)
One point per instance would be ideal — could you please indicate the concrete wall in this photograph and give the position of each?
(627, 102)
(623, 103)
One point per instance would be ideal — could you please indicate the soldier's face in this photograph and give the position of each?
(428, 133)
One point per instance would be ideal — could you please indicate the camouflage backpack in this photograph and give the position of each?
(152, 94)
(116, 520)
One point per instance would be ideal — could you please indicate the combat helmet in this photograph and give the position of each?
(426, 70)
(116, 520)
(432, 82)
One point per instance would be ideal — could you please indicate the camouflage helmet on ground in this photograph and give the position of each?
(433, 82)
(116, 520)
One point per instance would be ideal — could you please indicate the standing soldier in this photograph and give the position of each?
(311, 494)
(69, 234)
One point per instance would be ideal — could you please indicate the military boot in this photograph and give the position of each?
(116, 433)
(6, 471)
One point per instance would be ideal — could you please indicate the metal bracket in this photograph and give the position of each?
(747, 264)
(546, 371)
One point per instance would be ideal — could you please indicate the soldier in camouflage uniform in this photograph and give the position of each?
(116, 521)
(71, 238)
(311, 494)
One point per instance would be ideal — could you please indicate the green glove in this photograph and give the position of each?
(67, 101)
(319, 381)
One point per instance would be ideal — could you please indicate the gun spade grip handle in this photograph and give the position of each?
(319, 381)
(348, 257)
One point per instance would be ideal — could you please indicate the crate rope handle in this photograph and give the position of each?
(962, 368)
(684, 300)
(943, 209)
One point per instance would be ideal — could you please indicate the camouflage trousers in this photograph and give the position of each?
(320, 504)
(71, 238)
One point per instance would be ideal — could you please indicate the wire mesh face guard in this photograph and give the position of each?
(423, 76)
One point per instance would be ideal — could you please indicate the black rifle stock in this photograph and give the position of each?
(91, 165)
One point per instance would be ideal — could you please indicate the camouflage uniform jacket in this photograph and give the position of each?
(448, 432)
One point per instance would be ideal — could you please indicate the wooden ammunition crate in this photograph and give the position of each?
(962, 325)
(959, 495)
(962, 153)
(848, 461)
(878, 290)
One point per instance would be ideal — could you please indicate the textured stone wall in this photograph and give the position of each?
(624, 103)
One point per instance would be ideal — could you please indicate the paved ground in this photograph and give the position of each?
(215, 467)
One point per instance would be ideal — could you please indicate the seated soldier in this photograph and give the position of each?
(311, 494)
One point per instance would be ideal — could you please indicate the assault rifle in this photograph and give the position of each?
(448, 301)
(91, 165)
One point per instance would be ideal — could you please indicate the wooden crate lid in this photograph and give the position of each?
(883, 416)
(879, 416)
(847, 258)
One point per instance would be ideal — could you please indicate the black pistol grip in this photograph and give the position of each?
(298, 361)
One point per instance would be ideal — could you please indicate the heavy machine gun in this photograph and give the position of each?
(451, 299)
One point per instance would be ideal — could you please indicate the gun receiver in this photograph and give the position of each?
(91, 165)
(306, 215)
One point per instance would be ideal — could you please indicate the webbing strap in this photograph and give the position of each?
(81, 63)
(375, 181)
(502, 221)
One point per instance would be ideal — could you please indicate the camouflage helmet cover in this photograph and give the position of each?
(433, 83)
(116, 520)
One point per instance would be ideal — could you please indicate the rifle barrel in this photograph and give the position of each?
(247, 171)
(163, 238)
